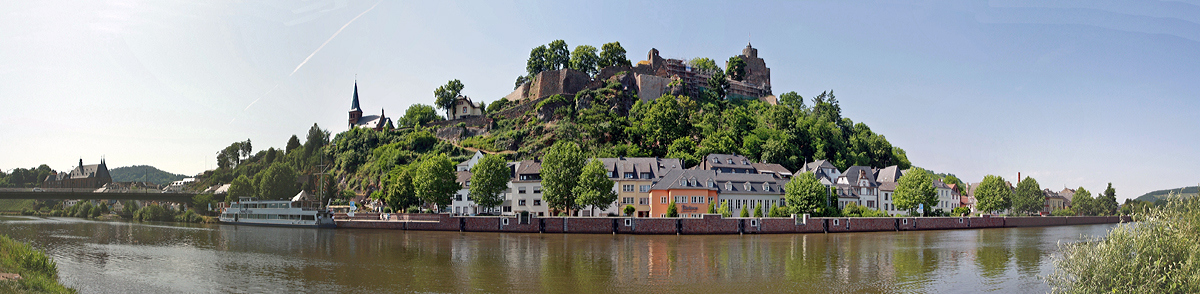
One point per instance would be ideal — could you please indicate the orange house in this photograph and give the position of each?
(691, 190)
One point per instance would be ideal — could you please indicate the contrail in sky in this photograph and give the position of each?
(339, 31)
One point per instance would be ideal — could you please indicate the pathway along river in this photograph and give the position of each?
(130, 257)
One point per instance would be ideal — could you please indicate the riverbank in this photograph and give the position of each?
(24, 269)
(709, 224)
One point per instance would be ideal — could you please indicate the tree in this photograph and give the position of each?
(736, 68)
(672, 211)
(594, 187)
(1106, 204)
(316, 139)
(398, 191)
(915, 188)
(1083, 203)
(712, 207)
(561, 168)
(557, 55)
(292, 144)
(240, 187)
(704, 63)
(489, 178)
(724, 209)
(805, 194)
(718, 84)
(629, 210)
(961, 211)
(993, 195)
(417, 115)
(536, 63)
(758, 210)
(1029, 197)
(612, 54)
(277, 182)
(435, 180)
(792, 99)
(744, 213)
(584, 59)
(445, 95)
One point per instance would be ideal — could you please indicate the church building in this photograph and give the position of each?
(357, 120)
(83, 176)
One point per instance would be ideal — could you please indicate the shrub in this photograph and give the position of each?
(961, 211)
(671, 210)
(758, 210)
(1063, 212)
(1157, 255)
(745, 213)
(629, 210)
(387, 209)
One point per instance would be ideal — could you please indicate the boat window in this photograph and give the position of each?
(309, 217)
(285, 205)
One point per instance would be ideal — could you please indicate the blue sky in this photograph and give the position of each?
(1072, 93)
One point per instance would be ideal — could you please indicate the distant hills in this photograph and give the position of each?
(1162, 194)
(143, 173)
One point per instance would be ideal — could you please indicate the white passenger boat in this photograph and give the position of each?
(297, 212)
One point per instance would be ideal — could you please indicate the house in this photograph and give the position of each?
(527, 186)
(83, 176)
(461, 203)
(633, 178)
(465, 108)
(693, 190)
(823, 170)
(1054, 201)
(737, 164)
(178, 186)
(857, 185)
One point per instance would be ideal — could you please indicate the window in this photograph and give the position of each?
(508, 209)
(683, 182)
(521, 190)
(711, 184)
(537, 190)
(627, 188)
(746, 186)
(646, 176)
(537, 202)
(681, 199)
(728, 186)
(464, 110)
(628, 175)
(521, 202)
(458, 197)
(643, 201)
(729, 160)
(766, 187)
(644, 188)
(871, 203)
(626, 200)
(663, 200)
(468, 184)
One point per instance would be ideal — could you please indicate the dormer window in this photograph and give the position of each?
(682, 182)
(716, 160)
(711, 184)
(766, 187)
(728, 186)
(730, 160)
(744, 162)
(747, 186)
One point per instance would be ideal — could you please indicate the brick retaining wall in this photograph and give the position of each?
(708, 224)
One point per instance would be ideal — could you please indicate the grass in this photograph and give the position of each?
(1158, 254)
(39, 274)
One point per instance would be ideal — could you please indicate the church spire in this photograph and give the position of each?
(354, 103)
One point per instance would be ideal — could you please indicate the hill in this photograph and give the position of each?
(143, 173)
(1162, 194)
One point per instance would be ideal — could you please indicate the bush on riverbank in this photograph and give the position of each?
(39, 274)
(1159, 254)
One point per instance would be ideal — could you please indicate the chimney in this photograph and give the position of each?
(1018, 178)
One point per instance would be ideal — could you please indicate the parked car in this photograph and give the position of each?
(38, 190)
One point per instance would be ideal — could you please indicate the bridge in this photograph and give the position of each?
(74, 193)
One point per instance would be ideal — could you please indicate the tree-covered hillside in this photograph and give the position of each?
(1162, 194)
(143, 173)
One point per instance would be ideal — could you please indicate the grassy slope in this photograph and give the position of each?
(39, 274)
(1162, 194)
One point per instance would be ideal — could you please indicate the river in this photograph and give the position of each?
(131, 257)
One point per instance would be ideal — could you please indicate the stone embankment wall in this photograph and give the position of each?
(709, 224)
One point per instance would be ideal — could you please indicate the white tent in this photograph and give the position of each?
(302, 196)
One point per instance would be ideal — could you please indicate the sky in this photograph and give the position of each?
(1071, 93)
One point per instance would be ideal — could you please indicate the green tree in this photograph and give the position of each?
(745, 213)
(536, 63)
(915, 188)
(1029, 198)
(240, 187)
(792, 99)
(1083, 203)
(758, 210)
(672, 211)
(292, 144)
(557, 55)
(1106, 204)
(724, 209)
(489, 178)
(446, 94)
(277, 182)
(961, 211)
(805, 194)
(736, 68)
(399, 192)
(712, 207)
(993, 194)
(704, 63)
(629, 210)
(594, 188)
(435, 180)
(418, 115)
(316, 139)
(612, 54)
(584, 59)
(718, 84)
(561, 168)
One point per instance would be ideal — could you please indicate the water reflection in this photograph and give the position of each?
(124, 257)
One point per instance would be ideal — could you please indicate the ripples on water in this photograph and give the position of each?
(129, 257)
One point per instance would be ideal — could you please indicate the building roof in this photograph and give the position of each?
(354, 103)
(772, 168)
(888, 174)
(527, 167)
(463, 177)
(853, 173)
(726, 160)
(657, 167)
(888, 186)
(721, 182)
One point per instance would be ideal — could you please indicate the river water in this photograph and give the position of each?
(131, 257)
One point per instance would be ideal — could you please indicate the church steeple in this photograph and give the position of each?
(355, 111)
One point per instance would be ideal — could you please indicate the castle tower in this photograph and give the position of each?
(355, 111)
